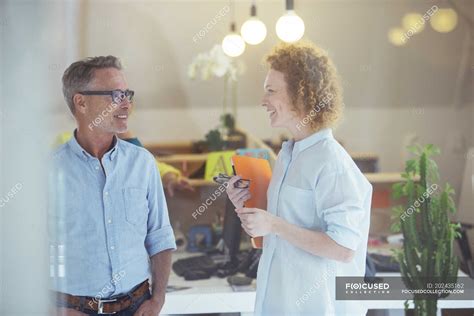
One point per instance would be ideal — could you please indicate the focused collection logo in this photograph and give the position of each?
(364, 288)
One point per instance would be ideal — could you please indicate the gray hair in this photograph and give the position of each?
(79, 74)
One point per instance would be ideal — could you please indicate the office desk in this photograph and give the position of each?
(215, 295)
(207, 296)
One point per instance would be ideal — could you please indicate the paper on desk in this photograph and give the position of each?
(244, 288)
(173, 288)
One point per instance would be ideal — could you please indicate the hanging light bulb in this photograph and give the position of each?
(290, 27)
(233, 44)
(253, 30)
(413, 22)
(396, 36)
(444, 20)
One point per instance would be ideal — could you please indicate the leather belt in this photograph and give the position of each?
(105, 306)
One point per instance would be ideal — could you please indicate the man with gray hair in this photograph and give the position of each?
(110, 224)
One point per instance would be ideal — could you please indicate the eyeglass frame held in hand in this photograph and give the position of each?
(239, 184)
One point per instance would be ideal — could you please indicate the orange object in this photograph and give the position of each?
(259, 172)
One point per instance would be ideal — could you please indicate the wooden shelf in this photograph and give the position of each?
(363, 156)
(384, 177)
(202, 183)
(180, 158)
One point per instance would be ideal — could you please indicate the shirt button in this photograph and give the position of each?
(106, 193)
(109, 221)
(96, 167)
(112, 247)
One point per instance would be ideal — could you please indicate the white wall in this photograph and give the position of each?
(154, 39)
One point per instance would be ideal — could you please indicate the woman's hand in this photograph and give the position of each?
(255, 221)
(236, 195)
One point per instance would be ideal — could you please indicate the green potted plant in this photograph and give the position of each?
(228, 123)
(214, 140)
(427, 252)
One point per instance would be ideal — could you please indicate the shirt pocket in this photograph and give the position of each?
(136, 205)
(297, 205)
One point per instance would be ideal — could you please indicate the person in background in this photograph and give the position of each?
(318, 202)
(171, 177)
(109, 222)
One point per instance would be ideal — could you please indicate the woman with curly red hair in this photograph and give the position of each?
(318, 210)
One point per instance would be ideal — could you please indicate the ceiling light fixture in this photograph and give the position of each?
(290, 27)
(233, 44)
(253, 30)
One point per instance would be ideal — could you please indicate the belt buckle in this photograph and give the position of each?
(100, 306)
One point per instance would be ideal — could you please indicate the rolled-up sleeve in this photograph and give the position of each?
(340, 199)
(160, 234)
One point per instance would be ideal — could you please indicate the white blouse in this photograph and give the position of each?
(315, 185)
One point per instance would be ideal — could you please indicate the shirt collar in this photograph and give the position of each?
(304, 143)
(83, 154)
(112, 153)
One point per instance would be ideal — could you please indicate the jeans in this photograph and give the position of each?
(126, 312)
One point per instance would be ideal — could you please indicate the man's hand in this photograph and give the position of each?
(151, 307)
(171, 182)
(255, 221)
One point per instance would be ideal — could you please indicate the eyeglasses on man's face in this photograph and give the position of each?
(118, 96)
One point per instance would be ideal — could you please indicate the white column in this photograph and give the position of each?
(33, 53)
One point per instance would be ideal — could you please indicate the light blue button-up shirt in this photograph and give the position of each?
(105, 223)
(317, 186)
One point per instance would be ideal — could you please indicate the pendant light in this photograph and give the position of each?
(253, 30)
(290, 27)
(413, 22)
(397, 36)
(233, 44)
(444, 20)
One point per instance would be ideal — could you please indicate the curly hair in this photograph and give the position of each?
(312, 82)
